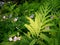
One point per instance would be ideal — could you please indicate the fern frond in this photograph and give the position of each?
(47, 17)
(45, 8)
(30, 29)
(50, 30)
(42, 20)
(33, 42)
(44, 37)
(47, 21)
(49, 24)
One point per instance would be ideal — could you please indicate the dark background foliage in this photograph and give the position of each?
(21, 1)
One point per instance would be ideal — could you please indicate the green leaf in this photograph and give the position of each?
(30, 29)
(50, 30)
(33, 42)
(44, 37)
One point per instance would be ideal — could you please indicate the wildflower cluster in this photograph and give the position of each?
(15, 38)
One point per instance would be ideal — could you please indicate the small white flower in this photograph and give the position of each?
(4, 17)
(15, 19)
(15, 38)
(10, 39)
(32, 16)
(1, 3)
(18, 38)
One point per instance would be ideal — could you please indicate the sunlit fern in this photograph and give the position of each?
(41, 21)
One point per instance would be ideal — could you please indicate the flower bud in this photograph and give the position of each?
(10, 39)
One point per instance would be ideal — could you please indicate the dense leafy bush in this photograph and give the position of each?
(30, 23)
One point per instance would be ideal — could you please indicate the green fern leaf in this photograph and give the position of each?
(33, 42)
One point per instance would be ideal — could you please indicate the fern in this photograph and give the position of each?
(42, 20)
(35, 26)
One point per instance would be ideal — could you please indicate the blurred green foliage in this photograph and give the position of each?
(36, 22)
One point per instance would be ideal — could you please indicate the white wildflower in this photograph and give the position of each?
(1, 3)
(10, 39)
(15, 19)
(32, 16)
(15, 38)
(18, 38)
(4, 17)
